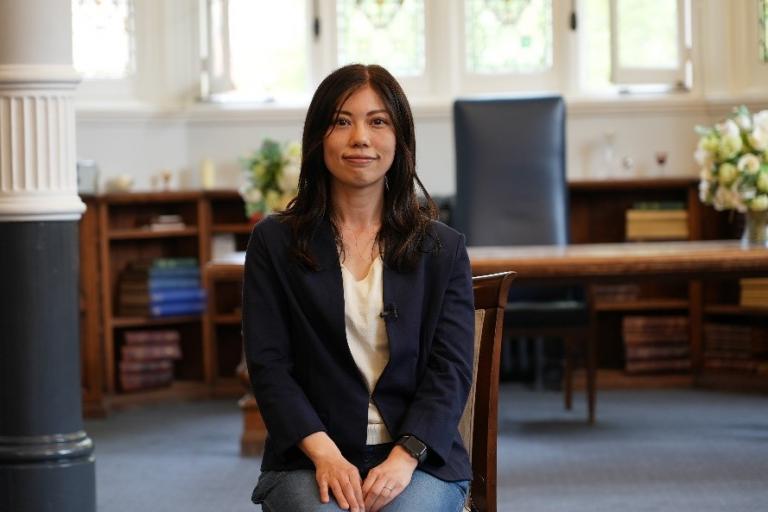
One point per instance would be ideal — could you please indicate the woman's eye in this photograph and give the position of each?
(342, 122)
(379, 121)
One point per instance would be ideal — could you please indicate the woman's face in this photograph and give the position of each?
(359, 148)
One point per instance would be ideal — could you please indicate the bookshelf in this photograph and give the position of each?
(598, 210)
(121, 233)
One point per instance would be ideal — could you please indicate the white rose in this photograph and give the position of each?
(709, 143)
(289, 179)
(758, 139)
(749, 163)
(762, 182)
(744, 122)
(728, 199)
(729, 147)
(253, 195)
(703, 157)
(759, 204)
(727, 173)
(728, 128)
(760, 121)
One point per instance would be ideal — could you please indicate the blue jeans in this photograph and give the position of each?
(296, 491)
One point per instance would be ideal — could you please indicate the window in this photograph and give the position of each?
(103, 38)
(255, 25)
(448, 48)
(389, 33)
(508, 36)
(647, 41)
(634, 42)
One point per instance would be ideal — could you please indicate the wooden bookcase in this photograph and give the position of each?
(123, 238)
(597, 212)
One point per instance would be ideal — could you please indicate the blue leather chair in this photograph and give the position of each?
(511, 190)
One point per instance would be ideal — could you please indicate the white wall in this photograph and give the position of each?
(144, 144)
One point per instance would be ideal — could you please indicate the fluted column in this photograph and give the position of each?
(46, 458)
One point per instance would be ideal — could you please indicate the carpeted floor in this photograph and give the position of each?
(672, 450)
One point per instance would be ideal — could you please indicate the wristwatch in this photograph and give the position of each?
(414, 447)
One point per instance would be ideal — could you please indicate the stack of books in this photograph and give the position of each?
(163, 287)
(167, 222)
(731, 347)
(146, 359)
(662, 220)
(754, 292)
(656, 344)
(609, 293)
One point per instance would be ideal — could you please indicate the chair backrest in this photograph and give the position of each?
(479, 423)
(510, 171)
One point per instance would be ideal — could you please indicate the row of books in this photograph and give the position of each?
(754, 292)
(656, 344)
(731, 347)
(660, 220)
(146, 358)
(162, 287)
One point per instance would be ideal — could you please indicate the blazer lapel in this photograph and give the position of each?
(398, 297)
(326, 287)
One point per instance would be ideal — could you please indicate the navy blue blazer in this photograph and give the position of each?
(304, 377)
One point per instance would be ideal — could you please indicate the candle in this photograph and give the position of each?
(207, 174)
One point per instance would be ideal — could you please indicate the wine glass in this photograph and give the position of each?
(661, 161)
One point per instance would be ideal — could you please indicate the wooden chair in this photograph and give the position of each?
(479, 423)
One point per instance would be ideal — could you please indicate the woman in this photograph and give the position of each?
(358, 318)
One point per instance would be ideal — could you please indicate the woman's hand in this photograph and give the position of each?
(334, 472)
(387, 480)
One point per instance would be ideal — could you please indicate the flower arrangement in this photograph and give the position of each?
(271, 178)
(733, 156)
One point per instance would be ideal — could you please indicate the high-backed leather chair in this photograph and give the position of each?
(511, 190)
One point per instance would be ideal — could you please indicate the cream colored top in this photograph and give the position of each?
(367, 337)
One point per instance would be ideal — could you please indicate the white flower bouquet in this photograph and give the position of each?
(271, 178)
(733, 156)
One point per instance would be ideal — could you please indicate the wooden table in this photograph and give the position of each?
(606, 262)
(690, 261)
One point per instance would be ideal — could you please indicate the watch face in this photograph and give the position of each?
(415, 447)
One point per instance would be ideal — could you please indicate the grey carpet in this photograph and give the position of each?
(680, 450)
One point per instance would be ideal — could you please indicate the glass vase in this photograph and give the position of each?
(755, 229)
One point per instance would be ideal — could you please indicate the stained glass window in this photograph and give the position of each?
(508, 36)
(268, 44)
(103, 38)
(386, 32)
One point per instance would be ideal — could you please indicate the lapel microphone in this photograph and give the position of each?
(389, 313)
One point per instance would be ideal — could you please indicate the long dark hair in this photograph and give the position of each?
(405, 223)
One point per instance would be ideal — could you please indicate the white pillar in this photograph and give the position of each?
(38, 171)
(46, 457)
